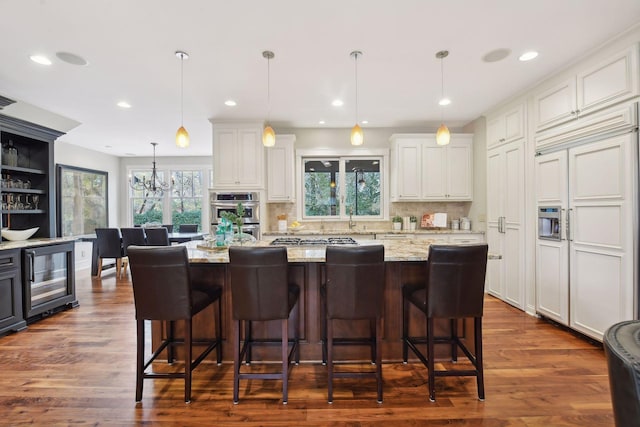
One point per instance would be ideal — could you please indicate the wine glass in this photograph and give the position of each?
(35, 198)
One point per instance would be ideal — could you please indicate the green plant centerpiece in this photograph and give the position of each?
(397, 222)
(236, 218)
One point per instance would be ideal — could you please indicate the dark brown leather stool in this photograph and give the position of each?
(163, 290)
(354, 290)
(260, 291)
(622, 348)
(453, 289)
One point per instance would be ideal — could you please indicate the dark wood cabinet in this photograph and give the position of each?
(27, 187)
(11, 313)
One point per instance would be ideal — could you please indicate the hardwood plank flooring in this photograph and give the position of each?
(77, 367)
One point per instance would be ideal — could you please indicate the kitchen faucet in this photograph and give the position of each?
(352, 223)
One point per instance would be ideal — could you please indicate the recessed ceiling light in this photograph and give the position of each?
(365, 122)
(444, 101)
(528, 56)
(230, 103)
(40, 59)
(321, 122)
(337, 103)
(496, 55)
(71, 58)
(123, 104)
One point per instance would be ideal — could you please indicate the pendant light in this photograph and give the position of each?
(268, 134)
(443, 136)
(357, 137)
(152, 186)
(182, 136)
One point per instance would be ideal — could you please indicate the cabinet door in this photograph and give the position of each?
(11, 314)
(250, 158)
(459, 171)
(514, 123)
(555, 105)
(434, 172)
(280, 170)
(408, 170)
(494, 221)
(608, 82)
(495, 131)
(225, 158)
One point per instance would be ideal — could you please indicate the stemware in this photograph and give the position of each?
(35, 198)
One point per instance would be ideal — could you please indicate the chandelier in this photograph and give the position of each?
(151, 185)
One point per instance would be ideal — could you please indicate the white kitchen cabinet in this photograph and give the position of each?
(586, 279)
(506, 127)
(425, 171)
(238, 156)
(608, 82)
(280, 170)
(505, 222)
(453, 238)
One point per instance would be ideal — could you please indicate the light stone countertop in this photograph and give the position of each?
(326, 232)
(41, 241)
(406, 250)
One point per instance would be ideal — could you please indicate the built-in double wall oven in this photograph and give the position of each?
(228, 202)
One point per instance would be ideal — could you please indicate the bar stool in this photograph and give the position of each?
(163, 290)
(354, 290)
(453, 289)
(260, 291)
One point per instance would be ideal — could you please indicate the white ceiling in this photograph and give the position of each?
(130, 47)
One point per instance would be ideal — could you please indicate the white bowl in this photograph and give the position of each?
(19, 234)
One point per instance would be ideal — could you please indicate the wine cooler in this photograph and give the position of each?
(48, 277)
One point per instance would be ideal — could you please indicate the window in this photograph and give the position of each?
(180, 204)
(341, 186)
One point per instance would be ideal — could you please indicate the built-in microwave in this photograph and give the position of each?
(549, 226)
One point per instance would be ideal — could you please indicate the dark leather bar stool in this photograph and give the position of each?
(622, 349)
(163, 290)
(157, 236)
(260, 291)
(133, 237)
(188, 228)
(453, 289)
(109, 243)
(354, 290)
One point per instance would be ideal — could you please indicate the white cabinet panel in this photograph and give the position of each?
(506, 127)
(408, 169)
(552, 296)
(280, 170)
(238, 156)
(555, 105)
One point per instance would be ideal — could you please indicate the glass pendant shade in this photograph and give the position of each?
(182, 137)
(443, 136)
(268, 137)
(357, 137)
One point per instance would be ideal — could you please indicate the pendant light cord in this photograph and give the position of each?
(441, 88)
(356, 74)
(269, 90)
(181, 90)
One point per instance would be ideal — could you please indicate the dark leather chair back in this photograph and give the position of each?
(355, 282)
(169, 227)
(455, 280)
(109, 243)
(161, 282)
(132, 236)
(622, 348)
(188, 228)
(259, 283)
(157, 236)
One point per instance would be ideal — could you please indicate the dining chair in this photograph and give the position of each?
(453, 289)
(354, 290)
(163, 291)
(188, 228)
(109, 243)
(157, 236)
(169, 227)
(133, 236)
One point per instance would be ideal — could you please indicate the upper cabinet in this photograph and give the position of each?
(506, 127)
(280, 170)
(28, 197)
(601, 85)
(238, 156)
(426, 171)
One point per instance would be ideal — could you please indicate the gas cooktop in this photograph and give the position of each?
(297, 241)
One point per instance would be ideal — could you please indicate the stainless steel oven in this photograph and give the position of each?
(549, 223)
(228, 202)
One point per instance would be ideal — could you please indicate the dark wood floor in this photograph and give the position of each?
(78, 368)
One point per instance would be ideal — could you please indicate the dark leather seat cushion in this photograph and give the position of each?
(202, 298)
(417, 295)
(294, 293)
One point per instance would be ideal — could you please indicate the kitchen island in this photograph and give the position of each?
(404, 263)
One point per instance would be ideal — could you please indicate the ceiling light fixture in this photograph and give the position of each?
(337, 103)
(528, 56)
(230, 103)
(443, 136)
(123, 104)
(357, 137)
(40, 59)
(153, 185)
(182, 136)
(268, 134)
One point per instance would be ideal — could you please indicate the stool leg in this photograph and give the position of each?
(323, 326)
(329, 330)
(454, 340)
(170, 338)
(372, 335)
(479, 363)
(247, 340)
(379, 357)
(405, 329)
(430, 361)
(139, 359)
(187, 360)
(285, 360)
(219, 333)
(236, 360)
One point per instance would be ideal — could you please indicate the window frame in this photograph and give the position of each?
(342, 156)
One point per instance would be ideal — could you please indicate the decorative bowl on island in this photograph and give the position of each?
(17, 235)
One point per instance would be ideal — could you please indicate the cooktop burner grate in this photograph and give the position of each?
(296, 241)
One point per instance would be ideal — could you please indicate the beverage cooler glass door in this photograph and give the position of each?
(49, 281)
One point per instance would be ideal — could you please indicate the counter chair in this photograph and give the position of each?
(453, 289)
(157, 236)
(132, 237)
(354, 290)
(169, 227)
(163, 290)
(622, 349)
(109, 243)
(188, 228)
(260, 291)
